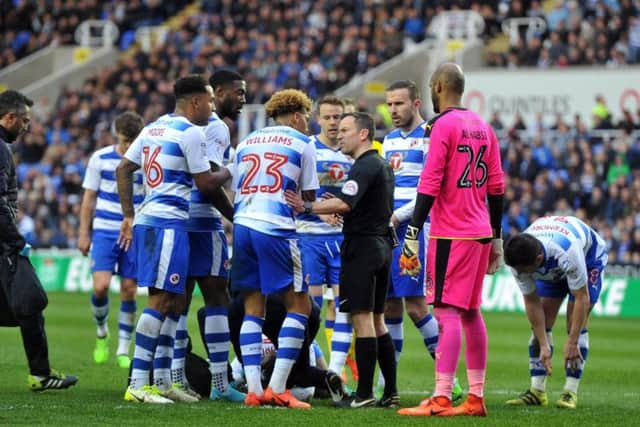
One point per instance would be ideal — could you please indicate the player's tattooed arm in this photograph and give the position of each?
(124, 178)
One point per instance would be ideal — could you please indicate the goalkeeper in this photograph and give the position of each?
(462, 171)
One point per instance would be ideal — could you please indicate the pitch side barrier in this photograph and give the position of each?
(68, 271)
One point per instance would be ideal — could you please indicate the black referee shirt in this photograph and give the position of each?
(369, 192)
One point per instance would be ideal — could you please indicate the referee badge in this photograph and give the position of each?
(350, 188)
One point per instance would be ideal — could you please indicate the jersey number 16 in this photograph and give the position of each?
(152, 169)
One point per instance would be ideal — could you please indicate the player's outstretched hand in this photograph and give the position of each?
(545, 359)
(294, 200)
(409, 261)
(332, 219)
(126, 233)
(496, 259)
(572, 356)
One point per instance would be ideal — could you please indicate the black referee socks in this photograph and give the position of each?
(366, 355)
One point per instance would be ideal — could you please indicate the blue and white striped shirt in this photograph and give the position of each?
(101, 178)
(406, 154)
(169, 150)
(202, 215)
(569, 246)
(268, 162)
(333, 168)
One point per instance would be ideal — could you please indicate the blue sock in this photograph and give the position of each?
(318, 300)
(251, 349)
(397, 335)
(164, 353)
(147, 332)
(216, 335)
(428, 327)
(340, 342)
(180, 352)
(100, 311)
(574, 375)
(289, 344)
(125, 326)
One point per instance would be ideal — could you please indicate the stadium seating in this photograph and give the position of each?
(29, 25)
(594, 173)
(574, 32)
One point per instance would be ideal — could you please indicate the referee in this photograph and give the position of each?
(366, 201)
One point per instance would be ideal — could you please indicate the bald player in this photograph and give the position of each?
(462, 172)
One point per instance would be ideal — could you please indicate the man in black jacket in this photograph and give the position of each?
(14, 120)
(366, 201)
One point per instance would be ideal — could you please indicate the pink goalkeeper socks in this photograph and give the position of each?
(476, 350)
(448, 350)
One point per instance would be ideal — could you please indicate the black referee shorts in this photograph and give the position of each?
(364, 273)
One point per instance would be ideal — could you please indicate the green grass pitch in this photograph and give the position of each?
(609, 393)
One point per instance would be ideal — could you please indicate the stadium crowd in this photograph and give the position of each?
(563, 169)
(577, 33)
(29, 25)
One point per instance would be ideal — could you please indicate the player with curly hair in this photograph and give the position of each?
(266, 254)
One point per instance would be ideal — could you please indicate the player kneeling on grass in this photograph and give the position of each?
(554, 257)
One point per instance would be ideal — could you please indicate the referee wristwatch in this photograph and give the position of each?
(307, 207)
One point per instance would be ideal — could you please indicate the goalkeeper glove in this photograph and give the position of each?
(496, 259)
(409, 261)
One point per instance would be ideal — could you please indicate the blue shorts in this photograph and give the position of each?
(163, 255)
(560, 289)
(264, 262)
(106, 255)
(321, 258)
(403, 285)
(208, 254)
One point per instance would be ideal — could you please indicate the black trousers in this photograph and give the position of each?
(34, 340)
(34, 337)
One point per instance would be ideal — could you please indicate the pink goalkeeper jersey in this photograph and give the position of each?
(462, 167)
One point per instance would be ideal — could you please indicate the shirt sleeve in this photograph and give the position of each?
(309, 174)
(359, 179)
(218, 141)
(434, 167)
(405, 212)
(134, 152)
(92, 174)
(495, 181)
(525, 282)
(575, 268)
(233, 167)
(194, 148)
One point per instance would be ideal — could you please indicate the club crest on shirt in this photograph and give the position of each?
(336, 171)
(395, 161)
(350, 188)
(174, 279)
